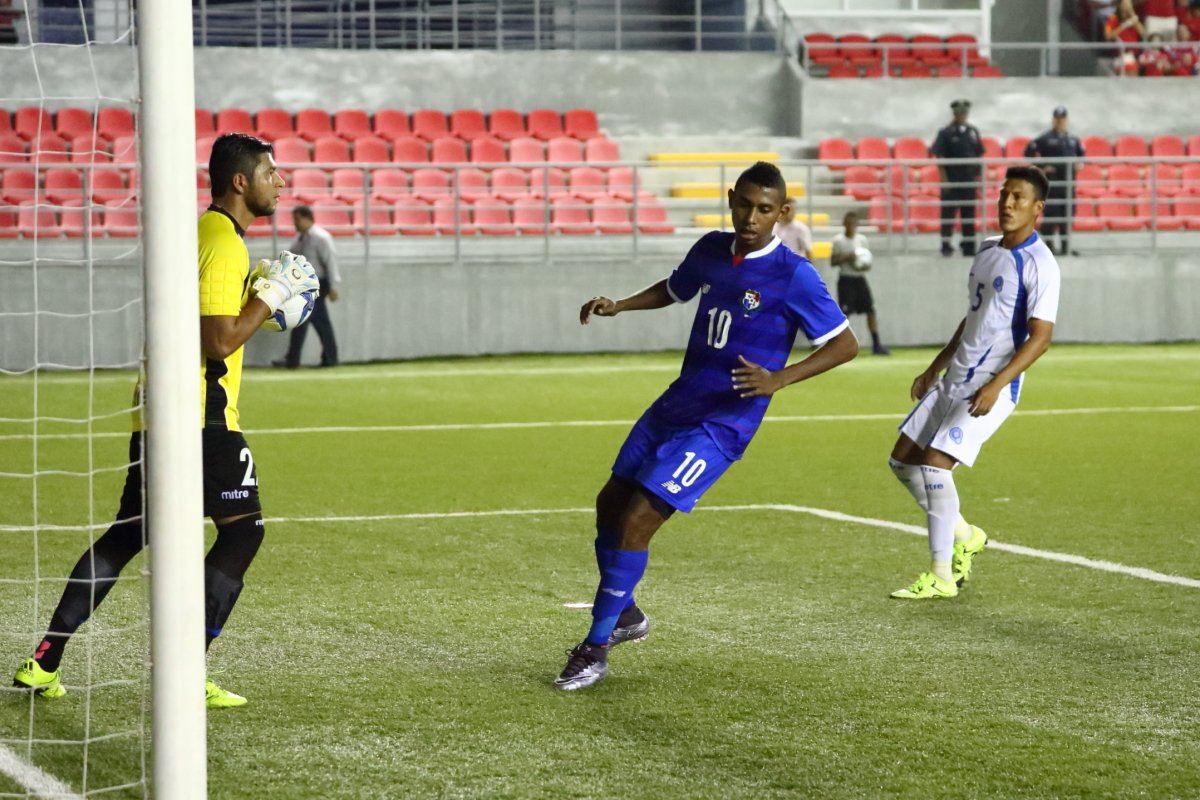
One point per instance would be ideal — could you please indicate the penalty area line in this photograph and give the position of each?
(33, 779)
(902, 527)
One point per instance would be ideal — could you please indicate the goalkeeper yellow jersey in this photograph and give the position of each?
(224, 290)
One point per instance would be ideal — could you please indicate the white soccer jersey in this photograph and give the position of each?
(1006, 289)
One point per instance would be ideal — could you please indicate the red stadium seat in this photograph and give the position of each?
(234, 120)
(862, 182)
(1191, 179)
(1014, 148)
(601, 149)
(448, 150)
(1119, 214)
(8, 223)
(551, 180)
(331, 150)
(313, 124)
(1167, 180)
(835, 148)
(908, 148)
(90, 148)
(611, 215)
(493, 217)
(1130, 146)
(373, 219)
(335, 217)
(354, 123)
(6, 127)
(349, 184)
(506, 124)
(949, 71)
(986, 71)
(273, 123)
(886, 213)
(842, 71)
(930, 50)
(49, 148)
(526, 150)
(587, 183)
(1166, 146)
(29, 122)
(36, 221)
(928, 181)
(121, 218)
(1158, 216)
(72, 122)
(1188, 209)
(992, 147)
(308, 185)
(893, 49)
(108, 184)
(963, 49)
(544, 124)
(18, 186)
(510, 183)
(391, 123)
(204, 148)
(571, 216)
(1193, 145)
(821, 49)
(1096, 147)
(410, 150)
(62, 184)
(925, 214)
(1125, 180)
(444, 217)
(487, 149)
(292, 150)
(204, 122)
(623, 183)
(1089, 181)
(581, 123)
(900, 180)
(472, 184)
(919, 70)
(124, 150)
(1085, 218)
(74, 215)
(12, 149)
(468, 124)
(429, 124)
(413, 217)
(113, 122)
(651, 216)
(430, 184)
(873, 71)
(529, 216)
(370, 149)
(564, 149)
(873, 148)
(856, 49)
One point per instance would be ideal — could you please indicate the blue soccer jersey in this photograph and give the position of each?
(752, 306)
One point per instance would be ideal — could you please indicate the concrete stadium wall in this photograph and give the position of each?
(408, 310)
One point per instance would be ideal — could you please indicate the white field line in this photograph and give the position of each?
(32, 779)
(608, 423)
(1016, 549)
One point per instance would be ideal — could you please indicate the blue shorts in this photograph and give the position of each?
(676, 464)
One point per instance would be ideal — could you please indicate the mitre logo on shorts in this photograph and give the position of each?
(236, 494)
(956, 432)
(751, 300)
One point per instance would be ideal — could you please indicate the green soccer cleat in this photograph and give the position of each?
(965, 552)
(44, 684)
(216, 697)
(927, 587)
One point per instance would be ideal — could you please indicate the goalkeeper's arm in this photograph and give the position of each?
(273, 282)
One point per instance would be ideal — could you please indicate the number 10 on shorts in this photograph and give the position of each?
(691, 469)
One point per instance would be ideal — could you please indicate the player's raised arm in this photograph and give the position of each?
(655, 296)
(753, 380)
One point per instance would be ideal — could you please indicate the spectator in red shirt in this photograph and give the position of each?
(1154, 60)
(1124, 26)
(1182, 59)
(1189, 15)
(1159, 17)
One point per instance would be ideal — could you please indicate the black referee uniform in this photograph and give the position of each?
(959, 140)
(1057, 144)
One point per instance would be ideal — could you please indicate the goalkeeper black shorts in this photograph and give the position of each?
(230, 477)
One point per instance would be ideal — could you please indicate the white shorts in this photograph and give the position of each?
(1165, 26)
(945, 423)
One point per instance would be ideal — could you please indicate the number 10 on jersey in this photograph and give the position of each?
(719, 321)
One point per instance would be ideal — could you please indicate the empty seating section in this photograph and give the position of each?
(857, 55)
(1110, 194)
(71, 172)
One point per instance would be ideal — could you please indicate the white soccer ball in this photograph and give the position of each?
(862, 258)
(294, 312)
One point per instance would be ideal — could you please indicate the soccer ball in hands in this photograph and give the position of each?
(294, 312)
(862, 258)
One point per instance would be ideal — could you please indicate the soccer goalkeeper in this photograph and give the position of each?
(245, 185)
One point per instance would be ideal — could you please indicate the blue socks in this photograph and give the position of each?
(620, 571)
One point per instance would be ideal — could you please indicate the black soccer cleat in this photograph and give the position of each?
(632, 626)
(586, 664)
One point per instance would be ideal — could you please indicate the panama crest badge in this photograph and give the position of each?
(751, 300)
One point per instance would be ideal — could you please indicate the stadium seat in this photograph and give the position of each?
(471, 183)
(986, 71)
(547, 180)
(1014, 148)
(1167, 180)
(1193, 145)
(991, 147)
(587, 183)
(873, 71)
(900, 180)
(1158, 216)
(430, 184)
(334, 216)
(353, 124)
(203, 148)
(429, 124)
(331, 150)
(391, 123)
(885, 213)
(908, 148)
(927, 181)
(108, 184)
(1085, 218)
(544, 124)
(1130, 146)
(373, 219)
(114, 122)
(73, 216)
(18, 186)
(893, 50)
(610, 215)
(448, 150)
(623, 183)
(925, 214)
(120, 218)
(526, 150)
(529, 216)
(370, 149)
(949, 71)
(62, 184)
(8, 223)
(581, 123)
(821, 49)
(835, 148)
(856, 49)
(124, 151)
(37, 221)
(410, 150)
(468, 124)
(1191, 178)
(29, 122)
(413, 217)
(273, 123)
(930, 50)
(313, 124)
(204, 123)
(1096, 147)
(509, 183)
(873, 148)
(1119, 214)
(506, 124)
(601, 149)
(1188, 209)
(486, 149)
(571, 216)
(492, 216)
(308, 185)
(1166, 146)
(862, 182)
(1089, 181)
(1125, 180)
(444, 217)
(918, 70)
(564, 149)
(842, 71)
(6, 127)
(12, 149)
(234, 120)
(651, 216)
(89, 148)
(963, 49)
(49, 148)
(291, 150)
(72, 122)
(349, 184)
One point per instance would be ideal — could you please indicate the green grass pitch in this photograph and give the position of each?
(393, 656)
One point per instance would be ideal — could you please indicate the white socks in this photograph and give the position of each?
(910, 478)
(943, 513)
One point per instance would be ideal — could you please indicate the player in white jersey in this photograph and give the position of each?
(1012, 295)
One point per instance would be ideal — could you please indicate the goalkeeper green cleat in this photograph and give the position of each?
(44, 684)
(965, 552)
(216, 697)
(927, 587)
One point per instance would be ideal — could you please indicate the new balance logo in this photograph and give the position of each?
(236, 494)
(613, 592)
(672, 487)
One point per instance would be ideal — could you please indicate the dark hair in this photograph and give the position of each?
(1033, 175)
(766, 175)
(304, 211)
(234, 154)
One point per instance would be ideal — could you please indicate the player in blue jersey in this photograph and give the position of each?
(1012, 303)
(755, 296)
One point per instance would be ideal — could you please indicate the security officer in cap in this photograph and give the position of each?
(1057, 143)
(960, 182)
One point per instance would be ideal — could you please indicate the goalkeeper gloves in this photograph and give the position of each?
(275, 282)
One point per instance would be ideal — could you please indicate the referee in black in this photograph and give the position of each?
(1057, 143)
(960, 182)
